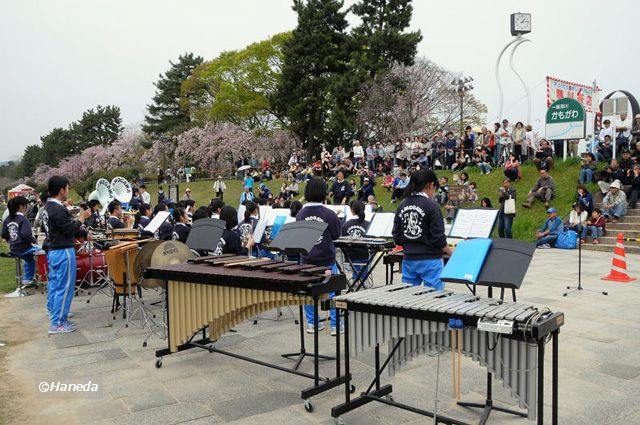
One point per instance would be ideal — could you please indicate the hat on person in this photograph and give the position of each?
(615, 185)
(187, 190)
(551, 210)
(607, 121)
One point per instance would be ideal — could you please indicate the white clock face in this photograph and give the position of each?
(522, 22)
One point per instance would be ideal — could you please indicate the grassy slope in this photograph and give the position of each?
(565, 175)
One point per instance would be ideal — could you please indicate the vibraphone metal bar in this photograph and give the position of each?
(374, 246)
(215, 293)
(413, 320)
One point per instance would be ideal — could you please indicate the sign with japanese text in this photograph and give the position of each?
(583, 94)
(565, 120)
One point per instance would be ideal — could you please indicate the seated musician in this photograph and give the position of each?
(165, 230)
(16, 230)
(357, 228)
(182, 227)
(216, 207)
(143, 218)
(94, 219)
(230, 242)
(117, 218)
(418, 227)
(248, 225)
(324, 251)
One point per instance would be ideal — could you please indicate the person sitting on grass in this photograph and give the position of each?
(577, 218)
(512, 168)
(387, 182)
(585, 199)
(596, 225)
(548, 233)
(615, 203)
(588, 168)
(544, 189)
(398, 187)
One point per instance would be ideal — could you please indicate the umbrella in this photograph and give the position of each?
(244, 167)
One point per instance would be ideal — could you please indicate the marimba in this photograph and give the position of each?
(218, 292)
(508, 338)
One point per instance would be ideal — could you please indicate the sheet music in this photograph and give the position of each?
(258, 232)
(277, 212)
(381, 225)
(473, 223)
(154, 224)
(241, 210)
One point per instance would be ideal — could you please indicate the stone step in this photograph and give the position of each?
(623, 227)
(607, 247)
(630, 212)
(611, 231)
(611, 239)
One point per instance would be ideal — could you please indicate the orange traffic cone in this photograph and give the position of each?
(619, 264)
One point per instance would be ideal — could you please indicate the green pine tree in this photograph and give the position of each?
(315, 64)
(381, 38)
(101, 126)
(165, 114)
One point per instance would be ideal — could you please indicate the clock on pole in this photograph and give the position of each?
(520, 23)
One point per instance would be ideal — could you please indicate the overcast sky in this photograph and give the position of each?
(59, 58)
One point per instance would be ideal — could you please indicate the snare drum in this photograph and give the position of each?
(88, 262)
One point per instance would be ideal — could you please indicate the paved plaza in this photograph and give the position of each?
(599, 364)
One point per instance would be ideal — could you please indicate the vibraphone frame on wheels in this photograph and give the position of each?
(195, 273)
(381, 393)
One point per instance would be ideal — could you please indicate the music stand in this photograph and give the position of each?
(298, 238)
(570, 288)
(205, 234)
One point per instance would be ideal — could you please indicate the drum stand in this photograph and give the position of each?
(89, 278)
(156, 328)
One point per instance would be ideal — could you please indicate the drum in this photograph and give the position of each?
(90, 262)
(42, 268)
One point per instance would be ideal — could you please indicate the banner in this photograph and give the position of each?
(585, 95)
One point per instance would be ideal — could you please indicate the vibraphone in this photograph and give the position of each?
(414, 320)
(216, 293)
(374, 246)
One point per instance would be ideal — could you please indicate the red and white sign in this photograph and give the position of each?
(584, 94)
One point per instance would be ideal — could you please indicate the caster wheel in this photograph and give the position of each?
(88, 301)
(297, 322)
(389, 397)
(564, 295)
(605, 293)
(255, 322)
(158, 363)
(144, 344)
(126, 326)
(352, 388)
(154, 316)
(308, 407)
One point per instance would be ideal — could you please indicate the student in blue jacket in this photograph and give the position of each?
(324, 251)
(16, 230)
(418, 227)
(61, 230)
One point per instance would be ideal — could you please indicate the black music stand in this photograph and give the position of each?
(205, 234)
(299, 238)
(571, 289)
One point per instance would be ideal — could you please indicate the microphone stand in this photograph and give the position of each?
(571, 289)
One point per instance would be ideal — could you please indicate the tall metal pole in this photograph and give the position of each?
(461, 113)
(526, 89)
(497, 70)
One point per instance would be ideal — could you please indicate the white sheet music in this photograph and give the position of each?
(368, 213)
(473, 223)
(258, 232)
(154, 224)
(381, 225)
